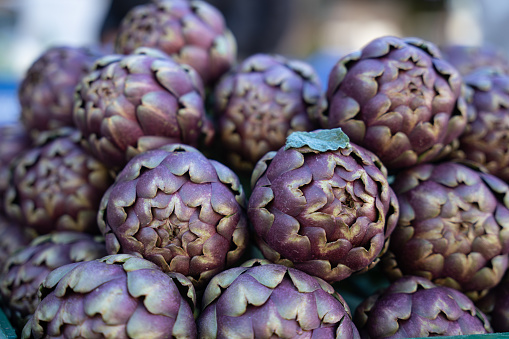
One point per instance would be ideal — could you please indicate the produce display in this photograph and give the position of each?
(172, 189)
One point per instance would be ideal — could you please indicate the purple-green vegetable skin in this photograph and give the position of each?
(46, 92)
(414, 307)
(453, 227)
(399, 99)
(132, 103)
(115, 297)
(175, 207)
(191, 32)
(25, 269)
(485, 138)
(329, 214)
(264, 300)
(56, 185)
(263, 101)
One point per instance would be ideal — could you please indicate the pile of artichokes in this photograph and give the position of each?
(171, 190)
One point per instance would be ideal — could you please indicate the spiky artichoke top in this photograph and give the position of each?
(264, 100)
(178, 209)
(484, 140)
(129, 104)
(264, 300)
(414, 307)
(328, 213)
(453, 228)
(399, 99)
(56, 184)
(191, 32)
(114, 297)
(46, 93)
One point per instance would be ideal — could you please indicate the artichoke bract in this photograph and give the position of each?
(130, 104)
(399, 99)
(13, 237)
(467, 59)
(191, 32)
(265, 300)
(484, 140)
(327, 212)
(453, 227)
(14, 140)
(175, 207)
(26, 269)
(414, 307)
(56, 185)
(264, 100)
(46, 93)
(115, 297)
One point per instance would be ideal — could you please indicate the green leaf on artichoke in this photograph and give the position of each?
(319, 140)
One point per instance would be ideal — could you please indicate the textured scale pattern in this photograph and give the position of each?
(328, 214)
(178, 209)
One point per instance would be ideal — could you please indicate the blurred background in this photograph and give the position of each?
(319, 31)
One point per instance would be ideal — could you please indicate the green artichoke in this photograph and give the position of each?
(46, 93)
(328, 213)
(485, 138)
(467, 59)
(414, 307)
(191, 32)
(263, 300)
(263, 101)
(14, 139)
(25, 269)
(399, 99)
(129, 104)
(178, 209)
(453, 227)
(56, 185)
(115, 297)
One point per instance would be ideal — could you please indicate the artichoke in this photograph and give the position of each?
(178, 209)
(46, 93)
(328, 213)
(191, 32)
(263, 101)
(264, 300)
(399, 99)
(14, 139)
(56, 185)
(115, 297)
(453, 227)
(467, 59)
(414, 307)
(25, 270)
(485, 138)
(495, 305)
(13, 237)
(129, 104)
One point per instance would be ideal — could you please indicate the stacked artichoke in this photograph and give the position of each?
(396, 172)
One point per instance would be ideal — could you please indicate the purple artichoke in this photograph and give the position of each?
(191, 32)
(175, 207)
(14, 139)
(115, 297)
(467, 59)
(414, 307)
(46, 93)
(453, 227)
(262, 102)
(56, 185)
(13, 237)
(25, 269)
(399, 99)
(328, 213)
(129, 104)
(264, 300)
(495, 305)
(485, 138)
